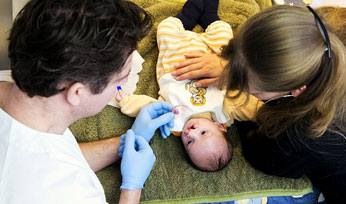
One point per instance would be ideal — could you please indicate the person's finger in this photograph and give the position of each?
(163, 119)
(171, 124)
(129, 141)
(187, 63)
(141, 143)
(157, 109)
(121, 145)
(121, 150)
(119, 95)
(207, 82)
(192, 75)
(167, 130)
(162, 132)
(193, 55)
(122, 139)
(162, 106)
(186, 69)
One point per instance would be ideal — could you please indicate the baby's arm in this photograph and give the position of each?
(131, 104)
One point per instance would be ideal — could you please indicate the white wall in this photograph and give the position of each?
(319, 3)
(17, 5)
(8, 11)
(5, 26)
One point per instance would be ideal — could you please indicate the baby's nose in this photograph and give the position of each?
(193, 133)
(193, 127)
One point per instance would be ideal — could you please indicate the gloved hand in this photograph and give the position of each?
(153, 116)
(137, 160)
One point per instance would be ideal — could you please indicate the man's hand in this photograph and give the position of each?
(137, 161)
(155, 115)
(208, 67)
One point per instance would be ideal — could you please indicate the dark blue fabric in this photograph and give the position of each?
(310, 198)
(190, 13)
(230, 202)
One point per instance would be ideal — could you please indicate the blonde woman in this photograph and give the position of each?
(286, 57)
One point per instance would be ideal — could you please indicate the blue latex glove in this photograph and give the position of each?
(137, 161)
(153, 116)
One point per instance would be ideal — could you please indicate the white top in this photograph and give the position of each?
(196, 100)
(38, 167)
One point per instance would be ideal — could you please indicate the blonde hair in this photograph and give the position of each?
(282, 49)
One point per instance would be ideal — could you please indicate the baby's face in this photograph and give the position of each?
(202, 139)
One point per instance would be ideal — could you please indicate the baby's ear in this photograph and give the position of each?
(221, 127)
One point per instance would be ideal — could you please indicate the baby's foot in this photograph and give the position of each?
(190, 13)
(119, 95)
(209, 14)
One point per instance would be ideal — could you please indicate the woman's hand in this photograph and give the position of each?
(208, 67)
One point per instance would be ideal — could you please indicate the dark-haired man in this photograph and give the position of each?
(67, 58)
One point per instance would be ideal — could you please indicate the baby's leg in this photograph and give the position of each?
(119, 95)
(217, 35)
(190, 13)
(209, 14)
(168, 35)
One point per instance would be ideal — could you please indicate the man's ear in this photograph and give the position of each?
(75, 92)
(221, 127)
(297, 92)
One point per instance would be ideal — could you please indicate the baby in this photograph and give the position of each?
(202, 114)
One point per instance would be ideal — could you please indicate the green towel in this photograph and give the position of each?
(173, 179)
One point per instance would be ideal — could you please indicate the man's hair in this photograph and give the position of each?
(55, 42)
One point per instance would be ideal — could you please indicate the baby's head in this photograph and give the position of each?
(206, 144)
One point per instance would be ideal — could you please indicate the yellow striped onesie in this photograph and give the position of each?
(174, 41)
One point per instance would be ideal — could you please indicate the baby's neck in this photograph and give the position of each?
(207, 115)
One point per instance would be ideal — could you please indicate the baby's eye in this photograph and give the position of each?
(203, 132)
(188, 142)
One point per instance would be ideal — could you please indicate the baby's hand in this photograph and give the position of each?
(119, 95)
